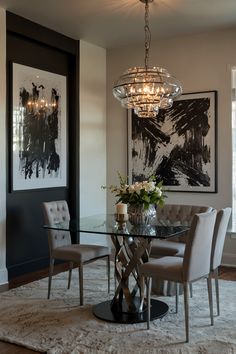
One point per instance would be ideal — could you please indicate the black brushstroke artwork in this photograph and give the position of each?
(38, 154)
(174, 147)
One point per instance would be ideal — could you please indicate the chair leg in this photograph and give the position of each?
(186, 310)
(149, 287)
(176, 297)
(191, 289)
(51, 266)
(217, 291)
(209, 285)
(70, 271)
(142, 287)
(80, 267)
(108, 274)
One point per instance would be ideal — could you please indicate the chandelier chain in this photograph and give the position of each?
(147, 34)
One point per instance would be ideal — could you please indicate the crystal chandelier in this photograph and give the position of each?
(146, 89)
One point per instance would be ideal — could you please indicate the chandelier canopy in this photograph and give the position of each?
(146, 89)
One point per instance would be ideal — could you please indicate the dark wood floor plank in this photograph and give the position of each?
(29, 277)
(7, 348)
(227, 273)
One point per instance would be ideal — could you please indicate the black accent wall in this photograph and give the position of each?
(36, 46)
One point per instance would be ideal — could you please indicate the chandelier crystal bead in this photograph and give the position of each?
(147, 89)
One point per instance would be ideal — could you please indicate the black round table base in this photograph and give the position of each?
(103, 311)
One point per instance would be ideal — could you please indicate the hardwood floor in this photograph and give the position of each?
(226, 273)
(28, 278)
(7, 348)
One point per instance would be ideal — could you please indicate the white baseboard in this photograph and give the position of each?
(3, 277)
(229, 259)
(4, 287)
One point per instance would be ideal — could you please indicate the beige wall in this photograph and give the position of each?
(201, 62)
(3, 270)
(92, 134)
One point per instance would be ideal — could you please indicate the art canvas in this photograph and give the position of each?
(178, 146)
(39, 129)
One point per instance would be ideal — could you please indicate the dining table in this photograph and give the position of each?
(132, 246)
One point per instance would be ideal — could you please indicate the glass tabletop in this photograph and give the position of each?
(106, 224)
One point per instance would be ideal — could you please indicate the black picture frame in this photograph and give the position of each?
(179, 146)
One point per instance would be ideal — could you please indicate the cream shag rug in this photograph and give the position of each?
(61, 326)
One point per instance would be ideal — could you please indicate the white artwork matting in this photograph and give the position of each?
(39, 129)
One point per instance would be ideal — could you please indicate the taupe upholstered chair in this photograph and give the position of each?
(194, 265)
(174, 214)
(220, 229)
(61, 248)
(222, 221)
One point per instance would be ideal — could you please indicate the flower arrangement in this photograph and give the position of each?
(140, 193)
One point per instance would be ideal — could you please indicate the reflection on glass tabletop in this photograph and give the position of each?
(106, 224)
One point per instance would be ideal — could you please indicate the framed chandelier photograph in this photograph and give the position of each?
(179, 146)
(39, 129)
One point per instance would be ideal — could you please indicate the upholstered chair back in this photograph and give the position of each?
(197, 254)
(55, 212)
(179, 214)
(221, 225)
(175, 214)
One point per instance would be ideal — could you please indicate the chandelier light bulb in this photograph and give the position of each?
(147, 89)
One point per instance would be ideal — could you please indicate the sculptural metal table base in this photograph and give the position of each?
(104, 312)
(128, 303)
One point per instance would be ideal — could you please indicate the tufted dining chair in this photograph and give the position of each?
(173, 214)
(194, 265)
(178, 249)
(61, 248)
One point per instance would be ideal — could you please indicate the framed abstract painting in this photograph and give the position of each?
(39, 129)
(179, 146)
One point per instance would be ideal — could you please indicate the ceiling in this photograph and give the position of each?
(114, 23)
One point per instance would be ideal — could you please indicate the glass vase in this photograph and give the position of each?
(140, 216)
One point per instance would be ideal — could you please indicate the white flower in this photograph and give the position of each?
(137, 187)
(145, 185)
(150, 186)
(142, 193)
(131, 189)
(159, 192)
